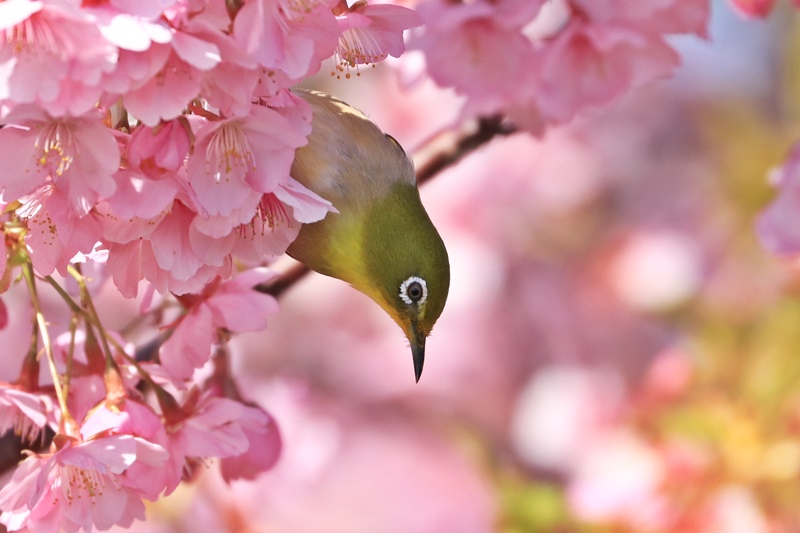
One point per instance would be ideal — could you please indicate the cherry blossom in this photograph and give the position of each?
(56, 233)
(23, 412)
(293, 37)
(370, 33)
(51, 54)
(128, 416)
(562, 55)
(489, 38)
(77, 155)
(236, 157)
(133, 26)
(263, 451)
(232, 305)
(161, 151)
(209, 427)
(79, 486)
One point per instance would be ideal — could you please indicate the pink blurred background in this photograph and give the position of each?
(618, 353)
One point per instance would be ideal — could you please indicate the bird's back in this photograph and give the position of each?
(348, 159)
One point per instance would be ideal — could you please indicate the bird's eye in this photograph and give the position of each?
(414, 290)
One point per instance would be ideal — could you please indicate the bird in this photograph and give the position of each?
(381, 241)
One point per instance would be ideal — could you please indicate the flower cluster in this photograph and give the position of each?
(539, 62)
(166, 130)
(151, 144)
(115, 445)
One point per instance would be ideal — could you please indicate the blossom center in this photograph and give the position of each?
(55, 148)
(33, 35)
(357, 46)
(295, 10)
(228, 151)
(83, 482)
(270, 213)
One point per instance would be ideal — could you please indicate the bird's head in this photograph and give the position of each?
(406, 268)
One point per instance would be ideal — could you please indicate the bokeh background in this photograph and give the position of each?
(618, 353)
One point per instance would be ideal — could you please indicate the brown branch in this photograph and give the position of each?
(449, 147)
(283, 281)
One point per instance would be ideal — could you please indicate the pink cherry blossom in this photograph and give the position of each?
(170, 243)
(263, 451)
(212, 236)
(77, 155)
(232, 305)
(591, 64)
(234, 157)
(159, 152)
(293, 37)
(277, 222)
(230, 85)
(135, 69)
(189, 347)
(266, 235)
(490, 44)
(131, 417)
(129, 25)
(542, 62)
(134, 260)
(307, 206)
(206, 427)
(51, 54)
(79, 486)
(165, 94)
(221, 162)
(23, 412)
(137, 197)
(371, 32)
(168, 259)
(262, 236)
(55, 233)
(667, 16)
(605, 49)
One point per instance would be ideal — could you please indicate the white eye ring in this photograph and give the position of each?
(404, 290)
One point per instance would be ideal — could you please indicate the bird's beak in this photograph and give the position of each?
(417, 340)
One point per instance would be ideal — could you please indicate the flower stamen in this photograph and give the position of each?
(55, 148)
(229, 150)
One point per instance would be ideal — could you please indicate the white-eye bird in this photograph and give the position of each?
(381, 241)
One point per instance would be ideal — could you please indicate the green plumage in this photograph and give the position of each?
(382, 241)
(400, 241)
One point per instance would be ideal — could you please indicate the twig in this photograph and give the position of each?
(448, 147)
